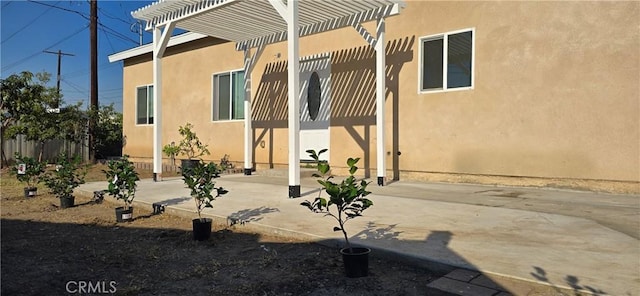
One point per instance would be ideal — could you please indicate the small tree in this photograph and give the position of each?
(32, 171)
(68, 175)
(190, 145)
(171, 151)
(348, 197)
(202, 185)
(122, 178)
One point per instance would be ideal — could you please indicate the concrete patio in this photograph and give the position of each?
(550, 240)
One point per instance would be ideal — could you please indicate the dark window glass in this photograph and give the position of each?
(142, 105)
(224, 93)
(150, 104)
(432, 64)
(459, 60)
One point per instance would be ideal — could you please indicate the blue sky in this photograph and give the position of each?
(30, 27)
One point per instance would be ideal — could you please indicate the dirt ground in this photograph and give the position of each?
(47, 250)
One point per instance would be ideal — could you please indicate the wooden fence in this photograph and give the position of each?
(51, 150)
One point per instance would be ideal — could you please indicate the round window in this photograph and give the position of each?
(313, 96)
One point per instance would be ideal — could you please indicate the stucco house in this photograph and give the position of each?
(512, 92)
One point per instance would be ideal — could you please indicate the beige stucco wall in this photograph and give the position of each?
(187, 82)
(556, 94)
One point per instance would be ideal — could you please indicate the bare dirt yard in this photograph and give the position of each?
(47, 250)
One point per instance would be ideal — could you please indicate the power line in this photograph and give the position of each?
(61, 8)
(76, 87)
(28, 24)
(112, 89)
(117, 34)
(113, 17)
(107, 36)
(7, 67)
(85, 71)
(60, 54)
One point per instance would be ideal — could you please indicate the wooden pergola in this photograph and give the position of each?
(253, 24)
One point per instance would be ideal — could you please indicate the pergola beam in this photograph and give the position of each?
(328, 25)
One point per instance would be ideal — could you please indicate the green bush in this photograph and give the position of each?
(347, 197)
(122, 177)
(68, 175)
(202, 185)
(33, 170)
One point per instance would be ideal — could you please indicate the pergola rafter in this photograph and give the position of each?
(254, 24)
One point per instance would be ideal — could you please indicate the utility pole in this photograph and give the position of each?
(60, 54)
(93, 28)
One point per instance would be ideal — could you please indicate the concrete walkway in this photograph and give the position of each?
(562, 240)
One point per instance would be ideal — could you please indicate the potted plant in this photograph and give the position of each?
(28, 170)
(347, 200)
(191, 147)
(66, 177)
(203, 190)
(171, 151)
(122, 178)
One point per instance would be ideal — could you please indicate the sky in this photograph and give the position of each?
(27, 28)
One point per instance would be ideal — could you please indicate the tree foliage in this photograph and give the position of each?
(26, 107)
(108, 131)
(21, 96)
(190, 145)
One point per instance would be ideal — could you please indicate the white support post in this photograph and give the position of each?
(294, 98)
(160, 40)
(249, 62)
(380, 102)
(248, 139)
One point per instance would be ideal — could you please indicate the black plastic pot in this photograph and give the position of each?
(30, 191)
(202, 229)
(356, 263)
(123, 215)
(187, 164)
(67, 202)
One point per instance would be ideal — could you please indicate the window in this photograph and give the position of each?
(446, 61)
(144, 105)
(228, 96)
(314, 96)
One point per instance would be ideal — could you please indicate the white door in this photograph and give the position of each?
(315, 105)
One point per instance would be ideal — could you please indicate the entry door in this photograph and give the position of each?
(315, 105)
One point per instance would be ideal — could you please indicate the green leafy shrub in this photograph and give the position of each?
(171, 151)
(33, 170)
(122, 177)
(202, 185)
(68, 175)
(347, 197)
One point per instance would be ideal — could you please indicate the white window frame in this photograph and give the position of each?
(147, 86)
(445, 60)
(214, 98)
